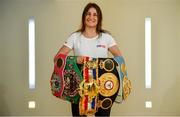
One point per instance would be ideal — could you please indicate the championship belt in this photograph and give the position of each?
(109, 82)
(57, 79)
(72, 79)
(66, 78)
(98, 84)
(125, 83)
(89, 87)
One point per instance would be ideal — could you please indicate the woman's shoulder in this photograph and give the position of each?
(74, 34)
(106, 35)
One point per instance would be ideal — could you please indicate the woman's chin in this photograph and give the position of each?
(91, 26)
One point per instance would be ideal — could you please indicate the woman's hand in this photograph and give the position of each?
(80, 60)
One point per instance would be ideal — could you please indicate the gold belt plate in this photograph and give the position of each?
(109, 84)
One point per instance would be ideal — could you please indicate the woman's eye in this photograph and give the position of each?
(94, 14)
(88, 13)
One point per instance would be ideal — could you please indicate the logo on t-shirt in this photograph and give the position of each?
(101, 46)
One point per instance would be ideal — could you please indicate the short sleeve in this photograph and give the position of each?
(69, 41)
(111, 41)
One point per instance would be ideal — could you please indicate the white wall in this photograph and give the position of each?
(56, 19)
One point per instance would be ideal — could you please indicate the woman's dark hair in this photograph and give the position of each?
(99, 15)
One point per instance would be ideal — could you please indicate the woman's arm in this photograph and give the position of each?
(115, 50)
(65, 50)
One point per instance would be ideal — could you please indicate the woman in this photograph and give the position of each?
(90, 40)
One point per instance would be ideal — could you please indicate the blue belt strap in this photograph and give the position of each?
(120, 61)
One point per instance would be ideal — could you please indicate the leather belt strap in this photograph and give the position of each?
(125, 83)
(72, 78)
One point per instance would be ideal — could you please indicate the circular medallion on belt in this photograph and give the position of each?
(56, 85)
(105, 103)
(59, 62)
(109, 84)
(107, 64)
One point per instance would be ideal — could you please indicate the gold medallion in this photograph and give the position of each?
(109, 84)
(91, 64)
(108, 64)
(127, 87)
(89, 88)
(105, 103)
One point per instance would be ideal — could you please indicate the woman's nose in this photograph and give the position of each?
(92, 16)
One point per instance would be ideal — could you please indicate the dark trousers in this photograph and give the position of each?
(100, 112)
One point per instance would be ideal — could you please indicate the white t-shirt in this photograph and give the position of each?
(92, 47)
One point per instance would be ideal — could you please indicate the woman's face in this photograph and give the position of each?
(91, 18)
